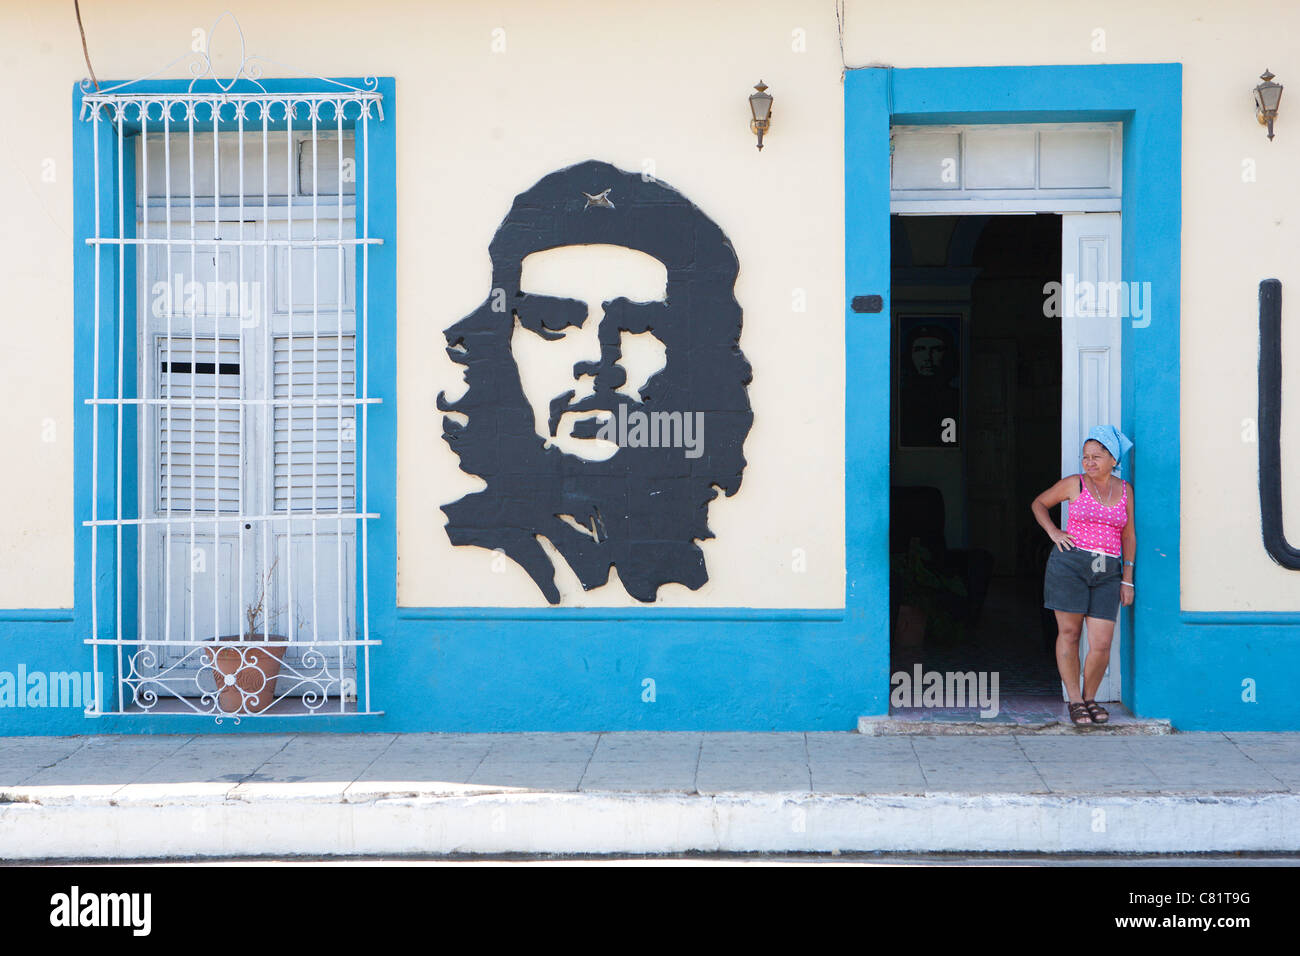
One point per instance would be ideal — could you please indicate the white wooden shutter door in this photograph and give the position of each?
(198, 447)
(315, 446)
(1090, 360)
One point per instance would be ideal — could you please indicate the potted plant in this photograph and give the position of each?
(246, 675)
(923, 596)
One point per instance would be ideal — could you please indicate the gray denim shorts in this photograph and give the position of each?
(1079, 581)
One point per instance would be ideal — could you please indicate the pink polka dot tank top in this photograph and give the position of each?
(1095, 528)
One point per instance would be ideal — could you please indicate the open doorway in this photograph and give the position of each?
(976, 434)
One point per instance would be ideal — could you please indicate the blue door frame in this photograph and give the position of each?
(1190, 668)
(1146, 98)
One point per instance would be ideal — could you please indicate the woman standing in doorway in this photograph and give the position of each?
(1090, 571)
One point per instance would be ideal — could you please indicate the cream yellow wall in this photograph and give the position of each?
(662, 84)
(665, 83)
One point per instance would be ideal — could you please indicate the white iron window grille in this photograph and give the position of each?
(246, 239)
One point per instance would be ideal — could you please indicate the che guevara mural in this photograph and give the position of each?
(606, 402)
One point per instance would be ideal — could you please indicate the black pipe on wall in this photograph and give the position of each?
(1270, 425)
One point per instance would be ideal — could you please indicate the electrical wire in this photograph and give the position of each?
(76, 5)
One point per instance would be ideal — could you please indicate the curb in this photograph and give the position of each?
(616, 823)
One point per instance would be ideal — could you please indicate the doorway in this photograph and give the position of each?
(976, 415)
(951, 171)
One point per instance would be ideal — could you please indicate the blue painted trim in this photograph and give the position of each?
(617, 614)
(1243, 617)
(867, 378)
(37, 614)
(377, 344)
(966, 118)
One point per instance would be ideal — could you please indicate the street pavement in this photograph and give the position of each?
(242, 795)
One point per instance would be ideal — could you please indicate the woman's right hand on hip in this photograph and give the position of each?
(1062, 540)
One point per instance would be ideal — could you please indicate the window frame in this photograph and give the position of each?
(375, 346)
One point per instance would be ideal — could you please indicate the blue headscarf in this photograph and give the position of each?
(1116, 442)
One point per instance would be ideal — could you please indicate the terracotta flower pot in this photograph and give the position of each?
(249, 668)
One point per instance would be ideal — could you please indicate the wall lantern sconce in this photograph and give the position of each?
(760, 104)
(1267, 95)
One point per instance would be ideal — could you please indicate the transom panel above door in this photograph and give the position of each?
(1022, 167)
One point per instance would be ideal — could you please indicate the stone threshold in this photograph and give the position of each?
(1016, 714)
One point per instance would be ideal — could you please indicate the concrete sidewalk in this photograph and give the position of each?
(426, 794)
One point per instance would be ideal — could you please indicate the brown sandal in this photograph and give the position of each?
(1079, 713)
(1098, 713)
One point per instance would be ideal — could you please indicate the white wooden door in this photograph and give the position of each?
(1090, 359)
(267, 330)
(196, 447)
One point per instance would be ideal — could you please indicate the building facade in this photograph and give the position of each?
(474, 371)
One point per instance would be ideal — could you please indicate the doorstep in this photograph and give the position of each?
(1016, 714)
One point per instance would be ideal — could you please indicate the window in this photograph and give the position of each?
(228, 259)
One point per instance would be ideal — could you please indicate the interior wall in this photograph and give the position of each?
(920, 250)
(1016, 256)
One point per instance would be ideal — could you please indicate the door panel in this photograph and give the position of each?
(214, 331)
(1090, 359)
(320, 471)
(319, 613)
(198, 444)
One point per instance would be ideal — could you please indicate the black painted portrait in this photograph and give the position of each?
(929, 382)
(614, 462)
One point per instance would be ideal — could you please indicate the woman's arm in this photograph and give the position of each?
(1129, 540)
(1061, 491)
